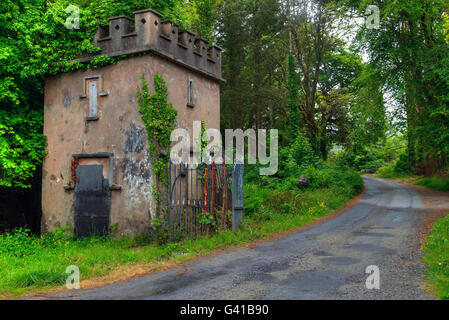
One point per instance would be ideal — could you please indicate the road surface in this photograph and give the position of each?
(325, 261)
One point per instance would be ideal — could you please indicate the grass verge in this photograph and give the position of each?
(437, 259)
(434, 183)
(31, 264)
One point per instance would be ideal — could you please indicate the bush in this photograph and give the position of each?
(387, 172)
(288, 195)
(293, 158)
(18, 243)
(337, 176)
(372, 164)
(402, 166)
(436, 183)
(361, 160)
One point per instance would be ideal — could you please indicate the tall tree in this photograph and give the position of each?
(410, 52)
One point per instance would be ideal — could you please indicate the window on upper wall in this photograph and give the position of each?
(190, 99)
(93, 98)
(93, 92)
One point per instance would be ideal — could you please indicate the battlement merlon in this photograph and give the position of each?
(147, 32)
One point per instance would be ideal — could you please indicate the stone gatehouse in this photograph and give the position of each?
(98, 169)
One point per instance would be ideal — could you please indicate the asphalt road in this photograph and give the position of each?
(325, 261)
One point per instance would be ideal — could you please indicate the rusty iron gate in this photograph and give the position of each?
(200, 200)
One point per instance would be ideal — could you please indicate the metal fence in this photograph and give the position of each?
(200, 199)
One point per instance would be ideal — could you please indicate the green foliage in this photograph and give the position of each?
(367, 114)
(207, 219)
(327, 188)
(437, 258)
(254, 63)
(366, 160)
(435, 183)
(21, 146)
(292, 84)
(402, 166)
(411, 63)
(298, 154)
(159, 119)
(161, 232)
(387, 172)
(391, 148)
(19, 243)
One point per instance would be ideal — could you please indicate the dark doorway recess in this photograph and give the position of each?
(92, 201)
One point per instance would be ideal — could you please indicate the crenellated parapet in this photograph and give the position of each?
(149, 32)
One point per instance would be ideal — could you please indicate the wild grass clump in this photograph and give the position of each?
(437, 258)
(435, 183)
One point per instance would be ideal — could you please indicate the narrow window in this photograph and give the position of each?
(191, 102)
(93, 99)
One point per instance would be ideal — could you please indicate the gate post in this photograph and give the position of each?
(238, 199)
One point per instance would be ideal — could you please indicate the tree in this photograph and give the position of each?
(410, 53)
(326, 71)
(293, 89)
(255, 91)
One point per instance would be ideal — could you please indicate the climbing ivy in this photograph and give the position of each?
(159, 119)
(202, 142)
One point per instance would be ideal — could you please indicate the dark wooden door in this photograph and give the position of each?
(92, 201)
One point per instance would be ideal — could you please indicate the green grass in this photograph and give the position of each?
(389, 172)
(31, 264)
(435, 183)
(437, 258)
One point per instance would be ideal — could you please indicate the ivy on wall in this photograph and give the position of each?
(159, 119)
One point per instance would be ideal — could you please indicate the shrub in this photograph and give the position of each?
(286, 195)
(387, 172)
(436, 183)
(18, 243)
(402, 166)
(372, 164)
(293, 158)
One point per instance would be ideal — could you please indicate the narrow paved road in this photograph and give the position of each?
(326, 261)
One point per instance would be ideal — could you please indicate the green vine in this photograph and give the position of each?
(159, 119)
(202, 142)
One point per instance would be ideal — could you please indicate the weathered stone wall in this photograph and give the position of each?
(119, 130)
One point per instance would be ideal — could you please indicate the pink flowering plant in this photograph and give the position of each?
(303, 183)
